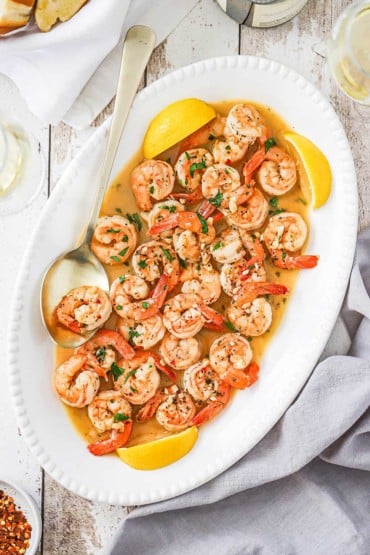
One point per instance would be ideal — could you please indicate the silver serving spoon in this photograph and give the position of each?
(80, 266)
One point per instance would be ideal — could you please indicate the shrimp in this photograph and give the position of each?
(230, 356)
(100, 351)
(75, 385)
(152, 259)
(233, 276)
(152, 179)
(142, 310)
(212, 129)
(179, 353)
(250, 315)
(228, 246)
(202, 279)
(193, 234)
(110, 412)
(230, 151)
(185, 314)
(143, 334)
(124, 289)
(190, 165)
(174, 409)
(250, 215)
(114, 240)
(245, 122)
(221, 186)
(84, 309)
(204, 385)
(160, 212)
(277, 173)
(138, 379)
(286, 233)
(251, 319)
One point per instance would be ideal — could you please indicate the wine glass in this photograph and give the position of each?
(349, 51)
(22, 168)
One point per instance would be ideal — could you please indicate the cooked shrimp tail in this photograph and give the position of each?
(253, 164)
(149, 308)
(304, 261)
(186, 220)
(117, 440)
(214, 320)
(253, 289)
(241, 379)
(189, 198)
(214, 406)
(150, 407)
(206, 209)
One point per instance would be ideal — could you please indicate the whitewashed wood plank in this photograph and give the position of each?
(16, 462)
(206, 32)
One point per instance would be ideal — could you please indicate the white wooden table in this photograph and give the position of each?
(73, 525)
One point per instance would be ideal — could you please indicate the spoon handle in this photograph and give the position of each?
(137, 48)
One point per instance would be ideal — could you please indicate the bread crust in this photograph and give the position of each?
(14, 14)
(48, 12)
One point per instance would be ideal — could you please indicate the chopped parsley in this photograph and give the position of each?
(273, 202)
(167, 254)
(133, 389)
(229, 325)
(120, 417)
(142, 264)
(211, 137)
(227, 147)
(135, 219)
(100, 354)
(124, 239)
(198, 166)
(117, 371)
(151, 189)
(119, 210)
(122, 279)
(276, 211)
(132, 333)
(284, 255)
(217, 199)
(116, 258)
(145, 305)
(187, 155)
(182, 263)
(203, 221)
(269, 143)
(123, 251)
(302, 201)
(112, 230)
(218, 245)
(119, 307)
(171, 209)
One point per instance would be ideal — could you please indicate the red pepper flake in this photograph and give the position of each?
(15, 530)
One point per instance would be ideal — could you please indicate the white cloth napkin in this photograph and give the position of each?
(51, 69)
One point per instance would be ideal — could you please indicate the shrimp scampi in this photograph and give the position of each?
(152, 179)
(173, 408)
(84, 309)
(110, 412)
(114, 240)
(75, 385)
(230, 357)
(180, 353)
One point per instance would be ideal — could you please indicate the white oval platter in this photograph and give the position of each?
(294, 349)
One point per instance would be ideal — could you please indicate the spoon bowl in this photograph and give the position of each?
(73, 269)
(80, 266)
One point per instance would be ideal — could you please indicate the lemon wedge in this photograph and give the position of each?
(316, 167)
(161, 452)
(175, 122)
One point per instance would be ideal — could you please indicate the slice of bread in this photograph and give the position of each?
(14, 14)
(49, 11)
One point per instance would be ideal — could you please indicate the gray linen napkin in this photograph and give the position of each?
(303, 489)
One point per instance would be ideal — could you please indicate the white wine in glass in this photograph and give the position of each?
(349, 51)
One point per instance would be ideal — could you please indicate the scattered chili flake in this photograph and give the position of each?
(15, 530)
